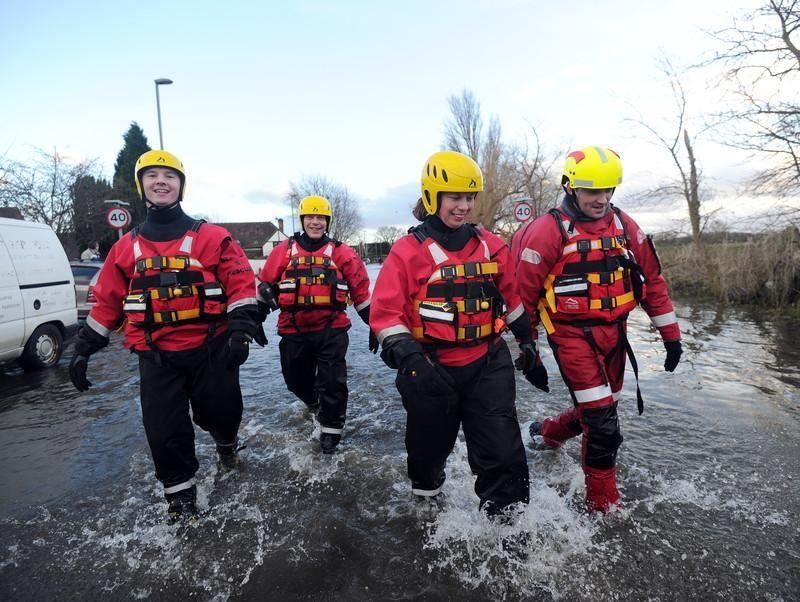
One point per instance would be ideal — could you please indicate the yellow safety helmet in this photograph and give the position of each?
(315, 205)
(448, 171)
(593, 167)
(158, 158)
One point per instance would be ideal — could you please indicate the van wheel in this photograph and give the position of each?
(43, 349)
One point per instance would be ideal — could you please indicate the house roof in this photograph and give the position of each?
(250, 235)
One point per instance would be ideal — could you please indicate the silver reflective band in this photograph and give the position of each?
(664, 319)
(241, 302)
(569, 288)
(602, 154)
(213, 291)
(583, 184)
(331, 430)
(134, 307)
(593, 394)
(515, 313)
(436, 315)
(426, 492)
(387, 332)
(97, 327)
(179, 486)
(366, 303)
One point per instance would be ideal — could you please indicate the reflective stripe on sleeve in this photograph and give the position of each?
(241, 302)
(390, 330)
(366, 303)
(515, 313)
(97, 327)
(593, 394)
(664, 319)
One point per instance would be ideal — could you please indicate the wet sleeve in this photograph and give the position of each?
(391, 305)
(539, 250)
(355, 272)
(110, 291)
(275, 265)
(656, 301)
(516, 318)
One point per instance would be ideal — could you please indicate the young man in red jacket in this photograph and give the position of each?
(312, 278)
(187, 295)
(582, 268)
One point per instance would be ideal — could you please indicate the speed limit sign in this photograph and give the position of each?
(523, 211)
(118, 218)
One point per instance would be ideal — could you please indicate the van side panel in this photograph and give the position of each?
(12, 316)
(44, 279)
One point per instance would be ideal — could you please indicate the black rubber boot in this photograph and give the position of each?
(228, 455)
(182, 505)
(328, 442)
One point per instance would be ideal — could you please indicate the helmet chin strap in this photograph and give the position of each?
(153, 207)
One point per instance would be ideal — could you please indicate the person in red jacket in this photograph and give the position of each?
(187, 295)
(582, 268)
(312, 278)
(435, 303)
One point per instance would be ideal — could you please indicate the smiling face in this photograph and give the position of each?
(314, 226)
(454, 207)
(161, 185)
(593, 203)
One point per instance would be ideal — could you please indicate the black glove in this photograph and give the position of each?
(527, 357)
(674, 352)
(77, 372)
(260, 336)
(238, 349)
(431, 381)
(531, 366)
(363, 313)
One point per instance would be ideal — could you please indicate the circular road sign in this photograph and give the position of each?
(523, 211)
(118, 218)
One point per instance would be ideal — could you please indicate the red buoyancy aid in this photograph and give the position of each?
(171, 285)
(312, 280)
(595, 280)
(459, 301)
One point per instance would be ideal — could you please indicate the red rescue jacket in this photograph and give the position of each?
(447, 300)
(314, 287)
(594, 274)
(175, 294)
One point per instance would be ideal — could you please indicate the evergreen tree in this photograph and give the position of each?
(88, 194)
(124, 184)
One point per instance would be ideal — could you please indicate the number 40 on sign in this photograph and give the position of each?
(523, 211)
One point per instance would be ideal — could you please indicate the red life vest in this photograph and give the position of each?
(171, 285)
(459, 301)
(596, 280)
(312, 280)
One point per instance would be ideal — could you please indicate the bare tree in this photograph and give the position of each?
(43, 191)
(761, 59)
(464, 132)
(676, 140)
(346, 221)
(388, 234)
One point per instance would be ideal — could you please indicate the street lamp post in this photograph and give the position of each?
(160, 82)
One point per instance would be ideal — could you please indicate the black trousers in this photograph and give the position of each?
(172, 382)
(314, 368)
(487, 412)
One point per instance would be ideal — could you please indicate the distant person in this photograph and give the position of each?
(435, 304)
(92, 252)
(582, 269)
(187, 294)
(311, 278)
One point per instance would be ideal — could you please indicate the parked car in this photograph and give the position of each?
(37, 295)
(85, 274)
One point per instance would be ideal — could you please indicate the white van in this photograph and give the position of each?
(37, 294)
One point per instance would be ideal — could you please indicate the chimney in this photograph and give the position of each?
(280, 224)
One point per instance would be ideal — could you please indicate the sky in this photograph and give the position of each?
(266, 93)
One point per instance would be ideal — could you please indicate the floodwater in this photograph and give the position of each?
(710, 477)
